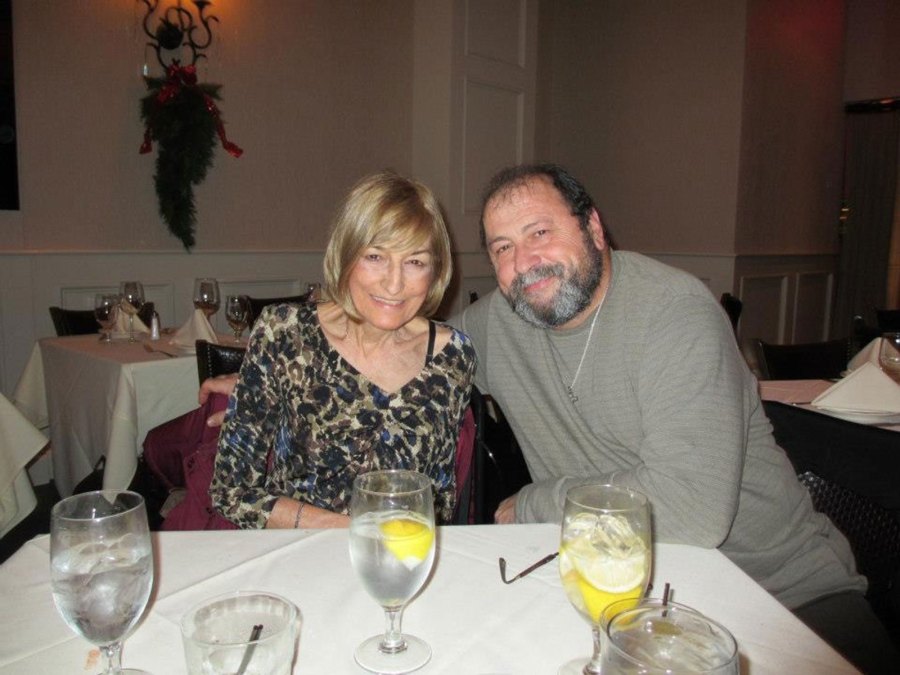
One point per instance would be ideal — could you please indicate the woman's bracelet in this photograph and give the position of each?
(297, 517)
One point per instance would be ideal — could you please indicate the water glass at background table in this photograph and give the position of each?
(237, 314)
(132, 294)
(247, 632)
(604, 556)
(392, 551)
(101, 567)
(889, 356)
(206, 296)
(656, 638)
(106, 311)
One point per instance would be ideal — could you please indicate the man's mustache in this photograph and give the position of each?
(536, 274)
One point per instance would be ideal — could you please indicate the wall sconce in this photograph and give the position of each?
(178, 28)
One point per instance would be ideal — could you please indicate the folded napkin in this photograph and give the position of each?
(867, 390)
(196, 328)
(868, 354)
(121, 326)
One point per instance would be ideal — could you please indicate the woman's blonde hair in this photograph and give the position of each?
(388, 211)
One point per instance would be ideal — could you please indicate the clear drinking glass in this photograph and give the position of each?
(247, 632)
(206, 296)
(653, 638)
(604, 556)
(392, 551)
(132, 294)
(237, 314)
(889, 355)
(106, 311)
(101, 567)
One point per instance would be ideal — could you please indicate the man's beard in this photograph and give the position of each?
(574, 295)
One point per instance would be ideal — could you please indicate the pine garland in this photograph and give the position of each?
(181, 117)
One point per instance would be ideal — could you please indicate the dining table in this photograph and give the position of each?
(474, 623)
(99, 399)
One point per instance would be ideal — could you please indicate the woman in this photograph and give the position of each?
(362, 381)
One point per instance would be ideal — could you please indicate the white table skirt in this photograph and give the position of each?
(102, 399)
(473, 622)
(20, 442)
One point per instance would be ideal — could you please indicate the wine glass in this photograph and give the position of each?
(392, 550)
(237, 314)
(889, 355)
(101, 567)
(604, 556)
(132, 293)
(206, 296)
(106, 311)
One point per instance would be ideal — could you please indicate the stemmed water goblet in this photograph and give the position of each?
(604, 556)
(889, 355)
(101, 566)
(392, 551)
(206, 296)
(132, 294)
(237, 314)
(106, 311)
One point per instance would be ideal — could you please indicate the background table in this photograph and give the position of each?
(474, 623)
(101, 399)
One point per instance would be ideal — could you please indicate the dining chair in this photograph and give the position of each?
(498, 467)
(852, 472)
(258, 304)
(806, 361)
(74, 321)
(214, 360)
(888, 320)
(732, 306)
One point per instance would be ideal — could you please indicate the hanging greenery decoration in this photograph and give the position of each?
(181, 116)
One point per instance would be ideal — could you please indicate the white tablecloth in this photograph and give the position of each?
(20, 442)
(473, 622)
(102, 399)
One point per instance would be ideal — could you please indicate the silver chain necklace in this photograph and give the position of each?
(570, 388)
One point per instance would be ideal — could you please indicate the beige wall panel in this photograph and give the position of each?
(812, 315)
(765, 301)
(497, 30)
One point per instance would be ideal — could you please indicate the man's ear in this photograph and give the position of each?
(595, 227)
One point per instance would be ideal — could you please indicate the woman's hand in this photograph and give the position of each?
(223, 384)
(284, 515)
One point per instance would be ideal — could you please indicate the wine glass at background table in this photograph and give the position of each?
(604, 556)
(237, 314)
(889, 355)
(106, 310)
(392, 551)
(206, 296)
(132, 294)
(101, 567)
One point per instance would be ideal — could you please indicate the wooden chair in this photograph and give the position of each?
(214, 360)
(257, 305)
(807, 361)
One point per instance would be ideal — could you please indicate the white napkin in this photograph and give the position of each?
(121, 326)
(196, 328)
(868, 354)
(867, 389)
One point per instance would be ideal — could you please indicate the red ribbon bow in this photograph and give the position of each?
(178, 77)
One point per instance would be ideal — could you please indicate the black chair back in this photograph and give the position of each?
(808, 361)
(852, 472)
(257, 305)
(74, 321)
(214, 360)
(732, 307)
(888, 320)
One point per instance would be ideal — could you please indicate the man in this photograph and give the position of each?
(611, 367)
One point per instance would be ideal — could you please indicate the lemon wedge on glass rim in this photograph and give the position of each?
(410, 541)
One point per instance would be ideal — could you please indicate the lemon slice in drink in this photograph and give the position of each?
(410, 541)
